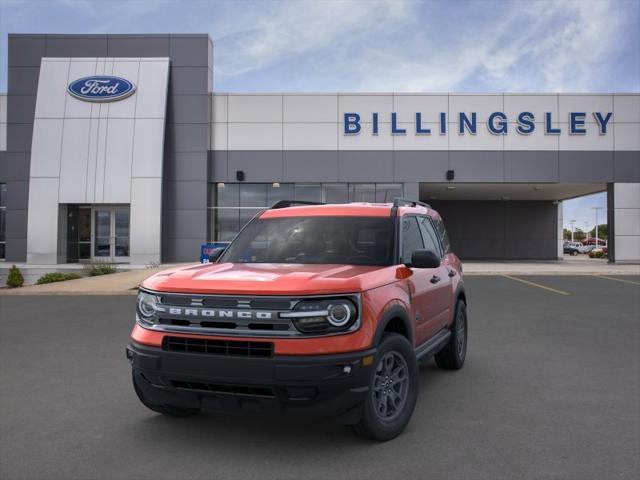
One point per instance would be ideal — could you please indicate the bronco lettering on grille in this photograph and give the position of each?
(216, 313)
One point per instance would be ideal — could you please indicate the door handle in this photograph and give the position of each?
(435, 279)
(452, 273)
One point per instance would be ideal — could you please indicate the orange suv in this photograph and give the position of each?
(313, 309)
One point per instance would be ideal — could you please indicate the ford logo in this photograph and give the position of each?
(101, 88)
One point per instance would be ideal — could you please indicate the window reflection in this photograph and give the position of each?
(232, 205)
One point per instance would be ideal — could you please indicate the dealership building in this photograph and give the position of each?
(117, 148)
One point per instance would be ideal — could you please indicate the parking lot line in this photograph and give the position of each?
(533, 284)
(618, 279)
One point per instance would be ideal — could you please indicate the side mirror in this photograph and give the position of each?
(424, 259)
(215, 254)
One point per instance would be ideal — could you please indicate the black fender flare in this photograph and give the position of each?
(394, 311)
(460, 293)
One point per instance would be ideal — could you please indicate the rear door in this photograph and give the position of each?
(423, 291)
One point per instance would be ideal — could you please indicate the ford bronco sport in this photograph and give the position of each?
(311, 310)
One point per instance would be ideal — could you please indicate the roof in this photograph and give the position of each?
(354, 209)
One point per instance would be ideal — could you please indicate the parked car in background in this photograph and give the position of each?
(572, 248)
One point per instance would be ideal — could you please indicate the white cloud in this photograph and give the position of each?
(391, 45)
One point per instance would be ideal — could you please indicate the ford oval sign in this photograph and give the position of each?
(101, 88)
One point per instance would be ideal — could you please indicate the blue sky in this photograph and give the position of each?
(377, 45)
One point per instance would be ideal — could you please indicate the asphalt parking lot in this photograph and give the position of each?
(551, 389)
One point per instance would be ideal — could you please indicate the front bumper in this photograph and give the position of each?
(319, 385)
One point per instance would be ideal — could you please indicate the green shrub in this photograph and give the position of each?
(15, 278)
(57, 277)
(596, 254)
(96, 269)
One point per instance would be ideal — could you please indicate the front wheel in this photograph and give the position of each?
(393, 390)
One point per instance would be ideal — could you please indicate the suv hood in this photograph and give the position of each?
(270, 279)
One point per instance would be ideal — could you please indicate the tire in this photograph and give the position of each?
(452, 356)
(574, 253)
(168, 410)
(385, 415)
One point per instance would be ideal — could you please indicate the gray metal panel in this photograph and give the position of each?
(531, 230)
(185, 166)
(16, 248)
(187, 137)
(22, 108)
(500, 230)
(19, 139)
(587, 166)
(626, 166)
(4, 170)
(177, 222)
(188, 80)
(218, 166)
(182, 249)
(16, 224)
(365, 166)
(611, 222)
(265, 166)
(189, 108)
(189, 51)
(428, 166)
(17, 166)
(531, 166)
(23, 80)
(186, 195)
(77, 46)
(477, 166)
(310, 166)
(26, 50)
(138, 46)
(18, 195)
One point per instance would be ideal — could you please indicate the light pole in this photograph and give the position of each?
(572, 222)
(596, 209)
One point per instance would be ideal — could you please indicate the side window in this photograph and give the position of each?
(429, 235)
(411, 238)
(444, 238)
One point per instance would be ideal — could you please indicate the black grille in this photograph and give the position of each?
(218, 347)
(253, 390)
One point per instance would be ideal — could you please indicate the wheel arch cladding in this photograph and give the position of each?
(396, 320)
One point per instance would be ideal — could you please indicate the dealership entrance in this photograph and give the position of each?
(514, 221)
(97, 233)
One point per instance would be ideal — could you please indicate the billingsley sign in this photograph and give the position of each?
(497, 123)
(101, 88)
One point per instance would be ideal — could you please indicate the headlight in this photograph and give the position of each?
(147, 307)
(323, 315)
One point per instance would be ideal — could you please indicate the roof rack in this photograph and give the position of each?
(403, 202)
(291, 203)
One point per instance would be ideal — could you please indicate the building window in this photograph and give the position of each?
(3, 221)
(232, 205)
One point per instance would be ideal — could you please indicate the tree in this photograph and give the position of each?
(15, 278)
(603, 231)
(578, 235)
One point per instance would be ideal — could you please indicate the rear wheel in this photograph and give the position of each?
(393, 390)
(452, 356)
(169, 410)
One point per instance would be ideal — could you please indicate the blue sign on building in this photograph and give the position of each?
(101, 88)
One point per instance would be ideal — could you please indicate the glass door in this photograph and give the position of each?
(102, 233)
(111, 234)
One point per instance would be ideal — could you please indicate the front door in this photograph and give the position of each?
(111, 234)
(422, 285)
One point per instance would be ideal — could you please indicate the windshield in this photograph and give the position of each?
(337, 240)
